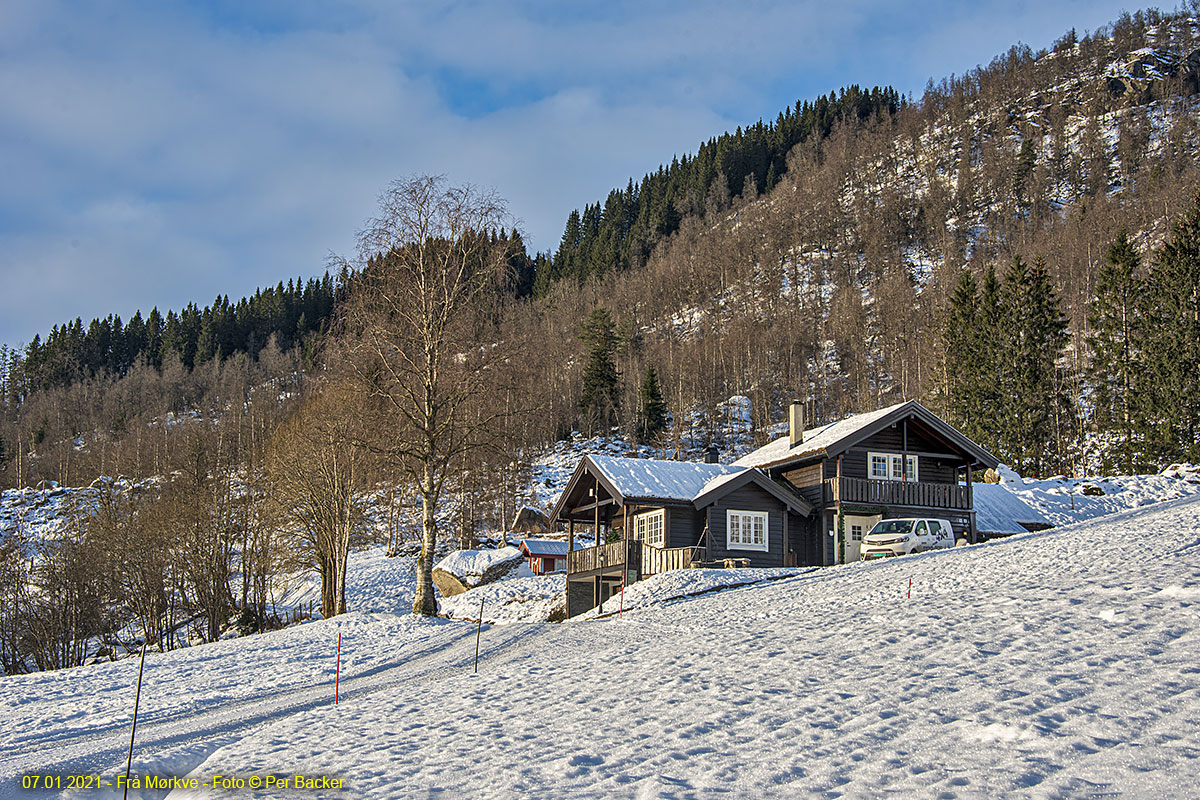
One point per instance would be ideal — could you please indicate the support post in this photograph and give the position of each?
(840, 552)
(971, 533)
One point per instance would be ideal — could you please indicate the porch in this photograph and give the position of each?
(594, 574)
(636, 559)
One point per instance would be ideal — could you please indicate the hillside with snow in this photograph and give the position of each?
(1053, 664)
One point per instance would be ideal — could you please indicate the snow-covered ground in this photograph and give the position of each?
(1065, 500)
(1054, 664)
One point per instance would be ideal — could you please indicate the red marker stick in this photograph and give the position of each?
(910, 588)
(337, 670)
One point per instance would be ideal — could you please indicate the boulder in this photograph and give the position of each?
(466, 569)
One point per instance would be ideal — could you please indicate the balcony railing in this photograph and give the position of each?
(613, 555)
(898, 493)
(633, 555)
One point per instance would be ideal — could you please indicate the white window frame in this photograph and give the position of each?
(894, 472)
(645, 529)
(738, 537)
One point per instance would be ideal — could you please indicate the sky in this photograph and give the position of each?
(157, 153)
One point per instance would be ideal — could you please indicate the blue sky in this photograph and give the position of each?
(157, 153)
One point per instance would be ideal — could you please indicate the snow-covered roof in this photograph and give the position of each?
(815, 439)
(643, 478)
(836, 436)
(544, 547)
(997, 510)
(723, 484)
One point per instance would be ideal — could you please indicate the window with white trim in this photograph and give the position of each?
(856, 533)
(746, 530)
(648, 527)
(879, 466)
(891, 467)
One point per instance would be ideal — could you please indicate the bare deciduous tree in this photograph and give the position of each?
(316, 475)
(417, 342)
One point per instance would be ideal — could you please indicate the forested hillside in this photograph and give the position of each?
(815, 257)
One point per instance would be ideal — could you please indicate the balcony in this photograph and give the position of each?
(914, 494)
(613, 556)
(639, 559)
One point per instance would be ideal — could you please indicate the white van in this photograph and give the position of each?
(898, 537)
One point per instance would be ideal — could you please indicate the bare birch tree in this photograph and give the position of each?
(316, 475)
(416, 335)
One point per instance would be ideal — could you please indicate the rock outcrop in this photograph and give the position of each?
(466, 569)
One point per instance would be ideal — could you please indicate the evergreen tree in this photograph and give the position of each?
(1115, 344)
(652, 419)
(1172, 353)
(599, 400)
(1034, 335)
(960, 348)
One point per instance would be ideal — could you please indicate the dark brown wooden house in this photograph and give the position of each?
(898, 461)
(807, 498)
(655, 516)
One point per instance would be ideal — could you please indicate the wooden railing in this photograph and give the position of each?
(629, 553)
(898, 493)
(657, 559)
(611, 555)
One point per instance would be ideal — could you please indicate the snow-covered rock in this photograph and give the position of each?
(466, 569)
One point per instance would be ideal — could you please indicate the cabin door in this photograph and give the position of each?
(856, 528)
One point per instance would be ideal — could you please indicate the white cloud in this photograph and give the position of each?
(157, 155)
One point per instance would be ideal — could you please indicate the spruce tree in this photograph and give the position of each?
(1116, 352)
(599, 400)
(1172, 350)
(1034, 334)
(961, 349)
(652, 419)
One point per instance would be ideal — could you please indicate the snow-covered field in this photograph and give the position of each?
(1055, 664)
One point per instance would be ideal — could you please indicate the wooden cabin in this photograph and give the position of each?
(807, 498)
(654, 516)
(898, 461)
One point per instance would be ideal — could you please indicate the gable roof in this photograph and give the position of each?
(998, 510)
(836, 437)
(719, 487)
(544, 547)
(650, 479)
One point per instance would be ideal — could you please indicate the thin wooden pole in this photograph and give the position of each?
(621, 609)
(337, 669)
(478, 630)
(137, 699)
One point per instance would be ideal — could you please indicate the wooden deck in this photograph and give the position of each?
(898, 493)
(632, 554)
(611, 556)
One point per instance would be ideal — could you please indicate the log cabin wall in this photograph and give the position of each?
(747, 498)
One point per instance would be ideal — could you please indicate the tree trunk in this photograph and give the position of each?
(424, 602)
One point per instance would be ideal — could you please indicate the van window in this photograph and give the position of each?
(892, 526)
(921, 528)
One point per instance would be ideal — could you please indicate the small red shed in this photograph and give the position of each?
(545, 555)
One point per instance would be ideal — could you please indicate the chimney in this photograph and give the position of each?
(796, 423)
(711, 456)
